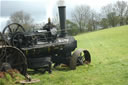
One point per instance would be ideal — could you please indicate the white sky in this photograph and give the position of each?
(48, 7)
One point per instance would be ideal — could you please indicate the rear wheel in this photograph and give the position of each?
(15, 58)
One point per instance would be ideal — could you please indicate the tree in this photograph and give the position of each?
(55, 20)
(121, 8)
(113, 20)
(80, 16)
(109, 16)
(22, 18)
(104, 23)
(126, 20)
(93, 22)
(71, 27)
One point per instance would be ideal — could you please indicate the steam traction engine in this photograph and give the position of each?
(41, 48)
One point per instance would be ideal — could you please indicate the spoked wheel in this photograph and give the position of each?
(80, 57)
(10, 29)
(15, 58)
(3, 40)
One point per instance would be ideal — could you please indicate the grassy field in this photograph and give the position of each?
(109, 51)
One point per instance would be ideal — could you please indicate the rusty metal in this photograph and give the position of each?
(29, 82)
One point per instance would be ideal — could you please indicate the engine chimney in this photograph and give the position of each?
(62, 16)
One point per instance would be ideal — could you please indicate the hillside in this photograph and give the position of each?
(109, 51)
(106, 45)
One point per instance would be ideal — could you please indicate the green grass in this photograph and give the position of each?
(8, 80)
(109, 51)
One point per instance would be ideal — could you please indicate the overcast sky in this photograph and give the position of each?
(40, 10)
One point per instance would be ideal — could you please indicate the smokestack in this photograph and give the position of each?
(62, 16)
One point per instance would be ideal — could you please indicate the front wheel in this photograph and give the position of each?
(79, 57)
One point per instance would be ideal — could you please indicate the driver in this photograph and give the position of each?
(49, 25)
(51, 29)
